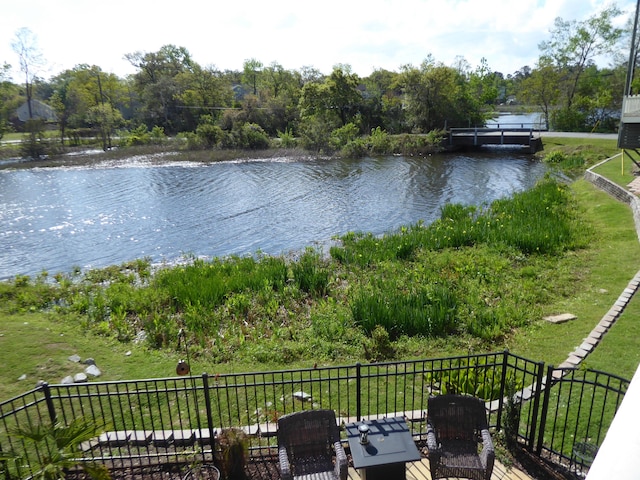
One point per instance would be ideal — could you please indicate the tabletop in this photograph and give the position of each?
(390, 441)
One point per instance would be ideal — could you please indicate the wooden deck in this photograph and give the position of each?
(420, 471)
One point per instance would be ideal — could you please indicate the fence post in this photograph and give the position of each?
(49, 401)
(545, 408)
(536, 406)
(358, 394)
(503, 381)
(207, 404)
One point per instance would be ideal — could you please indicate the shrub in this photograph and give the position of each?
(378, 347)
(310, 275)
(250, 136)
(287, 140)
(343, 135)
(379, 141)
(233, 445)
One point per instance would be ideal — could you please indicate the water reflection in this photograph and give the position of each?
(55, 219)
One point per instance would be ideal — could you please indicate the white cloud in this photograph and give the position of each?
(365, 34)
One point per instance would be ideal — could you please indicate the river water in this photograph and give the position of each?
(55, 219)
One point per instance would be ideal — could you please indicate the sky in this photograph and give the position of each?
(367, 35)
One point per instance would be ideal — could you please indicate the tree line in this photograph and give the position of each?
(171, 94)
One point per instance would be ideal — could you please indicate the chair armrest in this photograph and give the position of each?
(341, 466)
(432, 441)
(285, 466)
(487, 455)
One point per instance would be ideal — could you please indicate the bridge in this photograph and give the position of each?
(501, 134)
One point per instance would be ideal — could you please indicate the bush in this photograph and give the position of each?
(209, 135)
(233, 445)
(310, 274)
(287, 140)
(343, 135)
(379, 141)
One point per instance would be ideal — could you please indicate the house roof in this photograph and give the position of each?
(38, 110)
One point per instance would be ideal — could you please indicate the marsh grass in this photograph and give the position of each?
(478, 273)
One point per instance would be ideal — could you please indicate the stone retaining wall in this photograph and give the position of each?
(616, 191)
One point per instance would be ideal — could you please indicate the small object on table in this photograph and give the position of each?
(363, 430)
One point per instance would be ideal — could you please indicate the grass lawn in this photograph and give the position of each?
(613, 260)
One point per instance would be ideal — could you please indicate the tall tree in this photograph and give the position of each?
(344, 96)
(251, 73)
(157, 85)
(541, 87)
(437, 97)
(203, 91)
(30, 59)
(574, 46)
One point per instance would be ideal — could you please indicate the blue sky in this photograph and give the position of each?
(367, 34)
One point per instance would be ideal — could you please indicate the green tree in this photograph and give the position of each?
(158, 87)
(252, 69)
(574, 46)
(202, 91)
(436, 97)
(76, 91)
(541, 87)
(382, 102)
(7, 92)
(485, 83)
(106, 119)
(343, 94)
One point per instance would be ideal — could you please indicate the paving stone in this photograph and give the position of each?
(581, 353)
(586, 346)
(574, 359)
(593, 339)
(562, 318)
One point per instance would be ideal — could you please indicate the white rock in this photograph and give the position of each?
(128, 354)
(80, 378)
(75, 358)
(67, 380)
(22, 377)
(93, 370)
(302, 396)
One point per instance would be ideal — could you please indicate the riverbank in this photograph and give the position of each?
(82, 156)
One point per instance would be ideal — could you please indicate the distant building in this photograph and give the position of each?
(39, 110)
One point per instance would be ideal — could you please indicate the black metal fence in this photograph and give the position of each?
(175, 420)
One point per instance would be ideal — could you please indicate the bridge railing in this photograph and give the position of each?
(536, 126)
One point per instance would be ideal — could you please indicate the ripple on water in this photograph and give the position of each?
(56, 219)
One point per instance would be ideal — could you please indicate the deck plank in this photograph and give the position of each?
(420, 471)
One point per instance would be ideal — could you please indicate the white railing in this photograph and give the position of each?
(631, 105)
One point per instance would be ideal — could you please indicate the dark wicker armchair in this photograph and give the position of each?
(307, 441)
(456, 425)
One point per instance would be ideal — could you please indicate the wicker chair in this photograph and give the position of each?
(456, 424)
(307, 441)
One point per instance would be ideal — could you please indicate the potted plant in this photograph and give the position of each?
(233, 449)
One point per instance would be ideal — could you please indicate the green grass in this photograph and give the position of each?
(619, 170)
(602, 271)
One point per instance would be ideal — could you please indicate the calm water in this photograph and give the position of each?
(56, 219)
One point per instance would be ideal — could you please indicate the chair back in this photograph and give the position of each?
(310, 433)
(457, 417)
